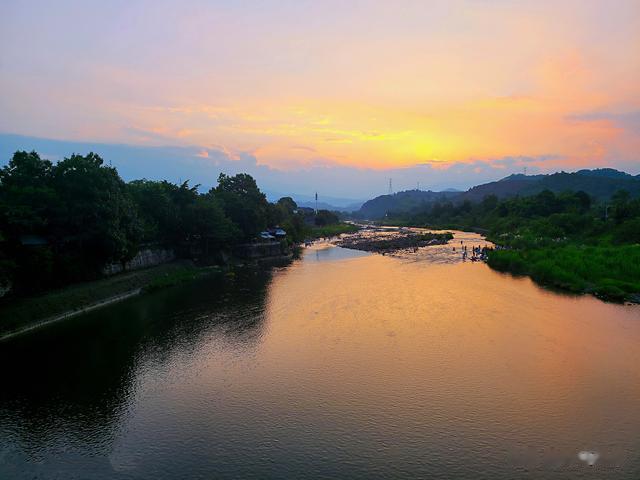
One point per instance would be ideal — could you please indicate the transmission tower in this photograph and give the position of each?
(390, 188)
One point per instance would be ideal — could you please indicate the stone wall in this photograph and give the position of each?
(253, 251)
(148, 257)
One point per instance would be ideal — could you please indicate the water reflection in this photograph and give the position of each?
(71, 385)
(342, 365)
(328, 252)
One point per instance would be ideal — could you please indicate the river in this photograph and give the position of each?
(342, 364)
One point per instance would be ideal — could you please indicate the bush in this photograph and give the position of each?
(612, 272)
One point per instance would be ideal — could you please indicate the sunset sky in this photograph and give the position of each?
(326, 95)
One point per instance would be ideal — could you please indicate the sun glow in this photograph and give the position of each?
(383, 86)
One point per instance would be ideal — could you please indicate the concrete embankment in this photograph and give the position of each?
(70, 313)
(20, 314)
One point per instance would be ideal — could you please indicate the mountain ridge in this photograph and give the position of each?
(600, 184)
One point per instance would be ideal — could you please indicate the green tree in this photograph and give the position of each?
(95, 221)
(620, 202)
(288, 205)
(326, 217)
(208, 224)
(243, 203)
(26, 201)
(26, 196)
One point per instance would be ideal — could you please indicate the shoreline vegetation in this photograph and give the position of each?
(332, 230)
(609, 273)
(565, 241)
(393, 242)
(65, 227)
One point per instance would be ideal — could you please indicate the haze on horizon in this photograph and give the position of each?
(324, 95)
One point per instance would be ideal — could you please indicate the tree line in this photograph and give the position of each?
(537, 219)
(564, 240)
(62, 222)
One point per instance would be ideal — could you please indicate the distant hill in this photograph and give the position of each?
(324, 202)
(599, 183)
(605, 172)
(327, 206)
(401, 201)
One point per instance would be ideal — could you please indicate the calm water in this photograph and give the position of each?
(340, 365)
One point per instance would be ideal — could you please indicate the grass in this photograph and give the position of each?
(16, 313)
(176, 277)
(611, 272)
(332, 230)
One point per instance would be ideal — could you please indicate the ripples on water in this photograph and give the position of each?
(343, 364)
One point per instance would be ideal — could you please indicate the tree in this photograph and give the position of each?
(489, 203)
(26, 201)
(243, 203)
(621, 206)
(288, 205)
(26, 196)
(583, 199)
(326, 217)
(208, 223)
(163, 207)
(96, 220)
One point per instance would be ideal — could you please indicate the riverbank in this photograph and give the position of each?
(24, 314)
(593, 266)
(71, 313)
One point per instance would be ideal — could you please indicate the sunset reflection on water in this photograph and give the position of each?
(342, 364)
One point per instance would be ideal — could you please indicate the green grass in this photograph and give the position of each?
(611, 272)
(19, 312)
(332, 230)
(176, 277)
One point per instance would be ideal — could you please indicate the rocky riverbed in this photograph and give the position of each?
(392, 241)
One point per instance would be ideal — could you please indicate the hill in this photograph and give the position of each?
(401, 201)
(329, 206)
(600, 184)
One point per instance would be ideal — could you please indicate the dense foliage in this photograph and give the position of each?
(565, 240)
(63, 222)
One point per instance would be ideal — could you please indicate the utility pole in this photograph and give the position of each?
(316, 203)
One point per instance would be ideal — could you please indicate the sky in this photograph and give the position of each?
(327, 95)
